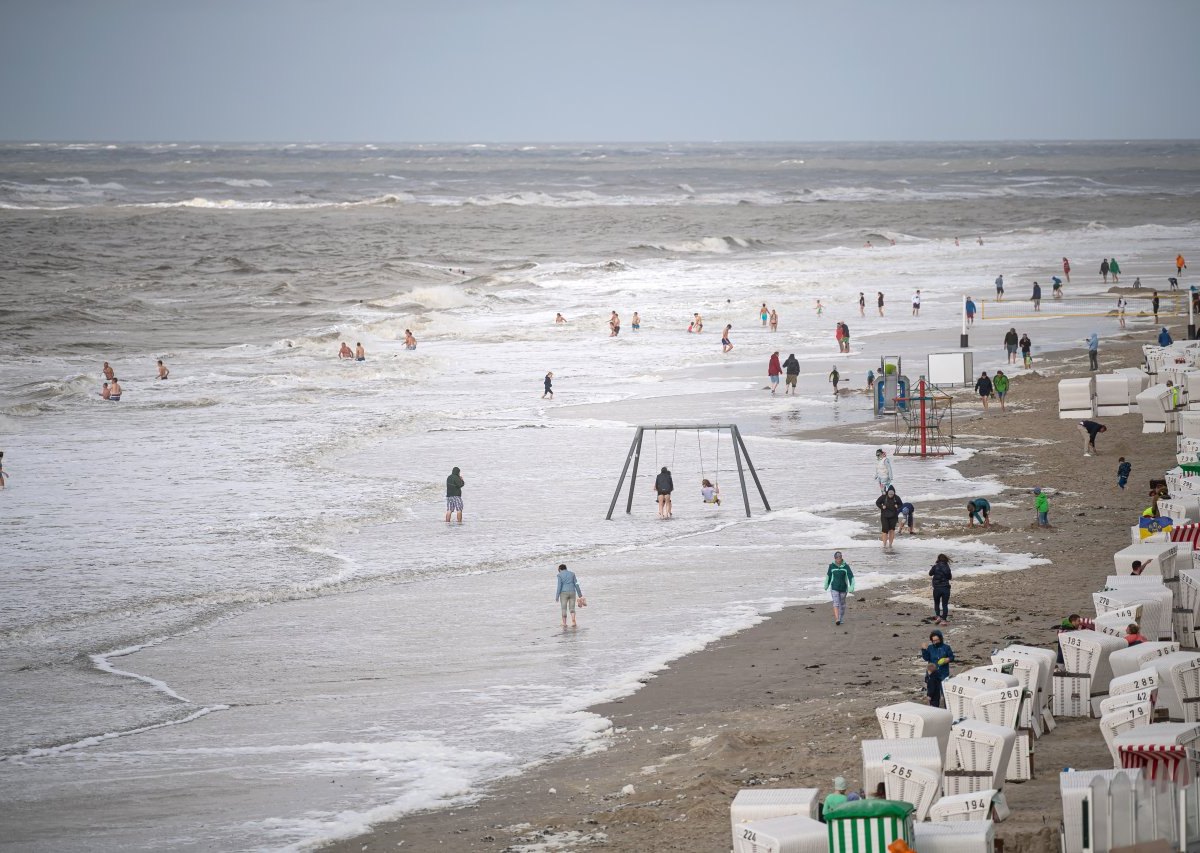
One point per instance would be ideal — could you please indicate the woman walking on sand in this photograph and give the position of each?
(941, 575)
(839, 580)
(568, 593)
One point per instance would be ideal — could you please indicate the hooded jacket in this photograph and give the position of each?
(939, 653)
(773, 368)
(663, 482)
(889, 504)
(791, 365)
(454, 484)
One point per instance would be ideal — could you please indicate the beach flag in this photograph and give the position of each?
(1151, 524)
(1187, 533)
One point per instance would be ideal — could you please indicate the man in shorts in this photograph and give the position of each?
(999, 287)
(791, 368)
(454, 485)
(1010, 344)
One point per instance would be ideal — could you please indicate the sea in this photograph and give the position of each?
(233, 615)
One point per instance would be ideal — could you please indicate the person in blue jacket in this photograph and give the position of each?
(839, 580)
(566, 594)
(937, 652)
(1164, 337)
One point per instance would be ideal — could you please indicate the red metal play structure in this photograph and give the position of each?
(927, 418)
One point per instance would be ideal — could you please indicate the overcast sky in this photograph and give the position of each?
(628, 70)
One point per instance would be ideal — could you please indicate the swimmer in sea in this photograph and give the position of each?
(360, 354)
(879, 301)
(345, 351)
(697, 323)
(114, 390)
(764, 314)
(726, 345)
(548, 385)
(862, 305)
(409, 341)
(4, 476)
(774, 321)
(108, 372)
(163, 373)
(559, 319)
(614, 325)
(820, 308)
(637, 321)
(105, 392)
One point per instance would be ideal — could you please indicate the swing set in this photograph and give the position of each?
(739, 452)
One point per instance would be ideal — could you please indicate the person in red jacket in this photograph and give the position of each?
(773, 371)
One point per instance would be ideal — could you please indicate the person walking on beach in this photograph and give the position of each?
(862, 304)
(764, 314)
(3, 476)
(792, 368)
(567, 593)
(774, 368)
(883, 470)
(983, 387)
(870, 380)
(845, 338)
(937, 652)
(726, 344)
(970, 308)
(1093, 345)
(879, 301)
(1104, 270)
(1067, 270)
(916, 302)
(548, 386)
(979, 509)
(163, 372)
(1154, 305)
(941, 575)
(837, 335)
(1010, 344)
(1041, 505)
(835, 378)
(1115, 269)
(1037, 297)
(1000, 288)
(820, 308)
(889, 504)
(1089, 430)
(663, 486)
(1180, 264)
(1121, 305)
(839, 580)
(454, 501)
(774, 324)
(1026, 350)
(1124, 469)
(1000, 385)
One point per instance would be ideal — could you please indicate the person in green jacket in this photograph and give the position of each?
(1000, 386)
(839, 580)
(1042, 504)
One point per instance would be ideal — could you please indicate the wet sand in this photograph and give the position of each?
(785, 703)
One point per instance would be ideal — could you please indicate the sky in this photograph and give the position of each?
(618, 70)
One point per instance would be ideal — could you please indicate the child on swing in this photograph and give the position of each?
(710, 492)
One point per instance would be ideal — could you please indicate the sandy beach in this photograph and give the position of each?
(786, 702)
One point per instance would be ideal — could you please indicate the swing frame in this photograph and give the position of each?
(739, 451)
